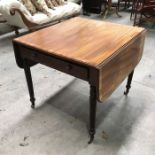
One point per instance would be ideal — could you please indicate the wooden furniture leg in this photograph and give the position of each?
(92, 114)
(117, 9)
(29, 82)
(128, 86)
(16, 30)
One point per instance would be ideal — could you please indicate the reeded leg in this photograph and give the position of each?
(128, 86)
(92, 114)
(29, 83)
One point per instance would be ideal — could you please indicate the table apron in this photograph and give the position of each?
(73, 69)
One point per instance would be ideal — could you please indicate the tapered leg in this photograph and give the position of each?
(92, 113)
(128, 86)
(29, 83)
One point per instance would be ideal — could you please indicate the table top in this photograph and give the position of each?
(82, 40)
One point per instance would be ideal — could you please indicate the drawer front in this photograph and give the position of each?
(56, 63)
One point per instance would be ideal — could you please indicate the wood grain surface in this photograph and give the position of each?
(83, 40)
(101, 53)
(114, 71)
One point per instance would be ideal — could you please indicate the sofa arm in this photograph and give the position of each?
(25, 20)
(15, 13)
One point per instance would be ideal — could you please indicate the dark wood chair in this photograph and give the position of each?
(144, 10)
(125, 4)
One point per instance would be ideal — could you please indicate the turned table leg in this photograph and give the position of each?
(92, 114)
(29, 82)
(128, 86)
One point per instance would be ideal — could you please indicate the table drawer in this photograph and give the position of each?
(65, 66)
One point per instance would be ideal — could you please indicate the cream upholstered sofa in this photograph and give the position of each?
(18, 16)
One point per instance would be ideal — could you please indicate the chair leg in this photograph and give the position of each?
(135, 19)
(118, 5)
(131, 14)
(132, 11)
(140, 19)
(16, 30)
(117, 9)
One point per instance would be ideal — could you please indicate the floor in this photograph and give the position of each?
(5, 28)
(58, 125)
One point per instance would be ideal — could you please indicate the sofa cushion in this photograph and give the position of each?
(49, 4)
(60, 12)
(41, 6)
(30, 7)
(60, 2)
(54, 2)
(5, 7)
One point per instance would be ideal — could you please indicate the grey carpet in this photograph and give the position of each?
(5, 28)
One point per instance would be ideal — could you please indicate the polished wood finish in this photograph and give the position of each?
(86, 41)
(115, 70)
(68, 67)
(128, 86)
(102, 53)
(93, 104)
(104, 46)
(29, 82)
